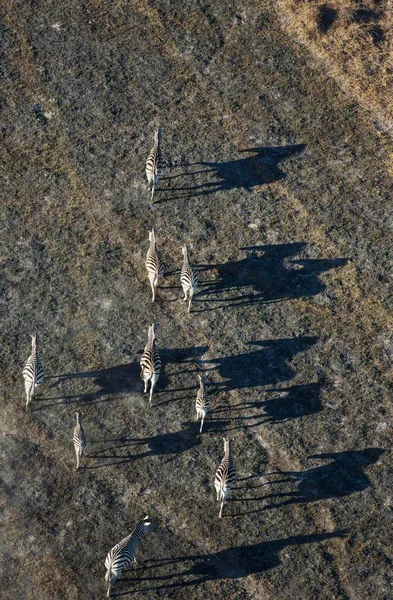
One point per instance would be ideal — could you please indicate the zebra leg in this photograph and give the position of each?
(111, 582)
(217, 492)
(29, 394)
(203, 416)
(145, 381)
(153, 382)
(153, 291)
(152, 193)
(221, 507)
(191, 295)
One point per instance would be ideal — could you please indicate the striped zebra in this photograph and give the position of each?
(154, 163)
(202, 400)
(79, 438)
(154, 265)
(188, 278)
(150, 361)
(33, 371)
(123, 554)
(225, 476)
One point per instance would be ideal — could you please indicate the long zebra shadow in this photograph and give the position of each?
(123, 380)
(266, 274)
(230, 563)
(342, 476)
(259, 367)
(286, 404)
(172, 443)
(260, 168)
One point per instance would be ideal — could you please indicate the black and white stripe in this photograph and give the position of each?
(150, 362)
(154, 265)
(79, 438)
(33, 371)
(202, 400)
(225, 476)
(154, 163)
(123, 554)
(188, 278)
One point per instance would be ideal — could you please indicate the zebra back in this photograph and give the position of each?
(225, 474)
(154, 265)
(33, 371)
(150, 361)
(202, 400)
(154, 161)
(79, 433)
(122, 555)
(188, 276)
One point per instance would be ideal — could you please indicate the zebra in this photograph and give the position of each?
(154, 265)
(154, 163)
(150, 361)
(202, 400)
(33, 371)
(188, 278)
(225, 476)
(79, 438)
(123, 554)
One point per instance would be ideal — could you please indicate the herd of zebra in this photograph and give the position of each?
(124, 553)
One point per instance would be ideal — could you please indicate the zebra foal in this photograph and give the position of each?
(154, 163)
(188, 278)
(202, 400)
(225, 476)
(154, 265)
(150, 361)
(124, 553)
(79, 438)
(33, 372)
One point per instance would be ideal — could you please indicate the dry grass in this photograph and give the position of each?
(354, 40)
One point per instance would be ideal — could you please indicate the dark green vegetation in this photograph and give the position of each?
(281, 183)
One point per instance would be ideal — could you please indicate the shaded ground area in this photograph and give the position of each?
(279, 176)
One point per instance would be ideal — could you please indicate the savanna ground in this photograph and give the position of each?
(277, 122)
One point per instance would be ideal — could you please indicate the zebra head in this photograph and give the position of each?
(158, 134)
(202, 378)
(35, 338)
(152, 331)
(152, 236)
(185, 251)
(78, 417)
(147, 524)
(226, 445)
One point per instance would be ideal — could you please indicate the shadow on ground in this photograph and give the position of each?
(231, 563)
(126, 449)
(122, 380)
(259, 367)
(260, 168)
(286, 404)
(341, 477)
(266, 274)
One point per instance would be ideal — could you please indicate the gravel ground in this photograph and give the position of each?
(281, 183)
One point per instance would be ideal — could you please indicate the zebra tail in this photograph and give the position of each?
(203, 416)
(221, 507)
(30, 392)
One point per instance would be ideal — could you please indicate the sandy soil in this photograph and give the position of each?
(281, 179)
